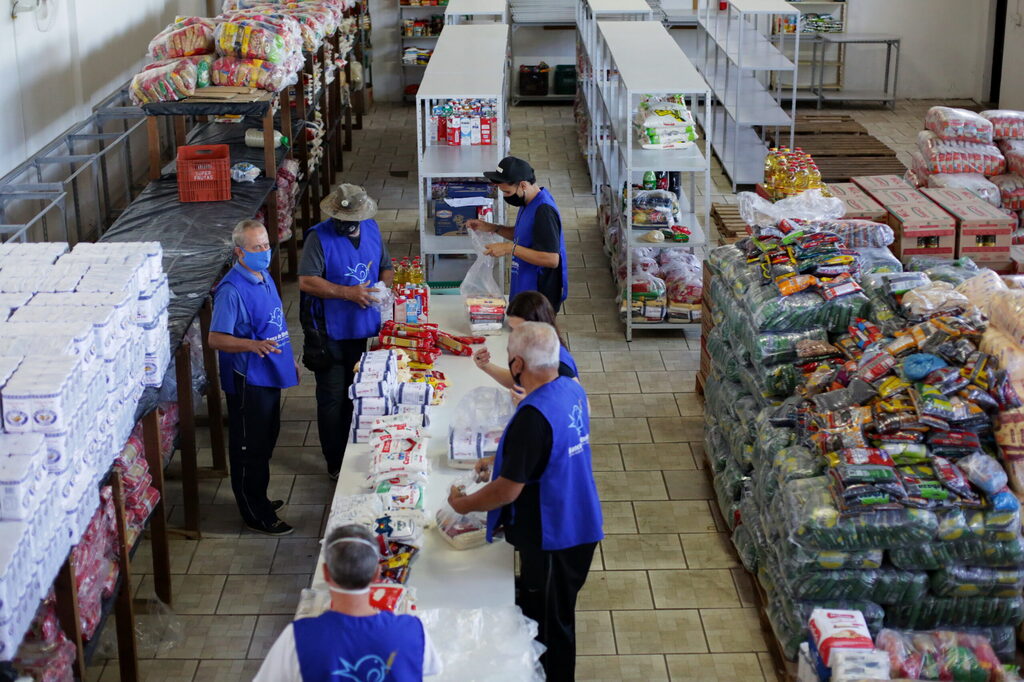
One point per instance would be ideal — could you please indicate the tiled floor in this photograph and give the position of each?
(666, 599)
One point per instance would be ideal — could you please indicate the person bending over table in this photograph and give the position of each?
(250, 333)
(543, 495)
(536, 243)
(351, 640)
(342, 258)
(528, 306)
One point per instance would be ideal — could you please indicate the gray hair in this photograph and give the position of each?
(352, 565)
(238, 234)
(536, 343)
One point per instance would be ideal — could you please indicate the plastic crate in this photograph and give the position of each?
(204, 173)
(565, 79)
(533, 79)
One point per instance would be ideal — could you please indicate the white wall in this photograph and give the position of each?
(54, 78)
(947, 46)
(1011, 90)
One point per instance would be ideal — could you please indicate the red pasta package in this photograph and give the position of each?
(251, 73)
(946, 156)
(1011, 190)
(1006, 124)
(958, 125)
(185, 37)
(1015, 160)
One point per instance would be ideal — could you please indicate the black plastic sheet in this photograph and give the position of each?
(233, 135)
(224, 108)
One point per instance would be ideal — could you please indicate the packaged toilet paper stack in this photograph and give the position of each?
(81, 336)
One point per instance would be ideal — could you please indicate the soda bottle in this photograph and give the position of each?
(675, 182)
(650, 181)
(661, 179)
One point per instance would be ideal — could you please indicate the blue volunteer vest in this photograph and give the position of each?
(335, 647)
(567, 359)
(525, 275)
(349, 266)
(570, 511)
(263, 303)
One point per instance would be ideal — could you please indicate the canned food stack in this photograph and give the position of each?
(849, 429)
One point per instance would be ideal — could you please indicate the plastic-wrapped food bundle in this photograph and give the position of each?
(1007, 313)
(857, 234)
(251, 73)
(169, 83)
(186, 37)
(931, 611)
(954, 272)
(972, 182)
(1015, 161)
(971, 551)
(944, 156)
(940, 655)
(970, 581)
(664, 124)
(655, 207)
(203, 63)
(1006, 124)
(804, 310)
(979, 290)
(252, 40)
(1011, 190)
(958, 125)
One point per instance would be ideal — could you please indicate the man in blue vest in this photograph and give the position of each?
(256, 361)
(542, 493)
(351, 640)
(342, 258)
(536, 243)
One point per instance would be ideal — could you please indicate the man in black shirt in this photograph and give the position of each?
(537, 245)
(543, 493)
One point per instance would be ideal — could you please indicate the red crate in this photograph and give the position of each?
(204, 173)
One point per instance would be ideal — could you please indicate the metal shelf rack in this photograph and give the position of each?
(409, 71)
(742, 62)
(616, 76)
(477, 12)
(450, 76)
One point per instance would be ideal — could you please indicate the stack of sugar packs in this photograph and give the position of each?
(384, 385)
(81, 336)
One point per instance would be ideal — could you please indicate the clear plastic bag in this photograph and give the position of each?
(939, 655)
(251, 73)
(1006, 310)
(173, 81)
(655, 207)
(979, 289)
(958, 125)
(481, 416)
(462, 531)
(1015, 160)
(249, 39)
(972, 182)
(485, 645)
(972, 581)
(186, 37)
(932, 299)
(811, 205)
(944, 156)
(856, 234)
(1006, 124)
(480, 279)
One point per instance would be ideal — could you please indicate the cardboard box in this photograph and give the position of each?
(870, 183)
(984, 233)
(452, 219)
(898, 197)
(859, 206)
(946, 197)
(922, 230)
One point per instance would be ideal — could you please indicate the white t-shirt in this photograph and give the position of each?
(282, 661)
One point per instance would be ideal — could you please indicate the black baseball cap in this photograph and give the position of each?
(512, 170)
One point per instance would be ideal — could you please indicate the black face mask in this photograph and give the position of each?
(346, 228)
(515, 200)
(515, 377)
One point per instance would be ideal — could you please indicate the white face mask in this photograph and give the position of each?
(360, 541)
(341, 590)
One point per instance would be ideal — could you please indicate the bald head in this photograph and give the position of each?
(537, 344)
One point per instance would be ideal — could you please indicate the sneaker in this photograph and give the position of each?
(277, 527)
(276, 504)
(334, 474)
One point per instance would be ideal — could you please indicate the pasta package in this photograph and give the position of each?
(1006, 124)
(170, 82)
(958, 125)
(251, 73)
(248, 39)
(186, 37)
(948, 156)
(1011, 190)
(203, 62)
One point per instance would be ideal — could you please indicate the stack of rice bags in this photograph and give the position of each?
(664, 123)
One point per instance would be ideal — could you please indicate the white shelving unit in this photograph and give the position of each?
(451, 75)
(477, 12)
(743, 63)
(615, 76)
(411, 72)
(832, 61)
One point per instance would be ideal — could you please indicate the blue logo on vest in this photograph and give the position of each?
(367, 669)
(576, 424)
(359, 273)
(276, 318)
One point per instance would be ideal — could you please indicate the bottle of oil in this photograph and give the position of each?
(416, 272)
(771, 163)
(801, 178)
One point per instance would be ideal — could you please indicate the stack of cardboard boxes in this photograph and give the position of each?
(944, 223)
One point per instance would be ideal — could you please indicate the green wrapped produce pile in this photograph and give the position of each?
(849, 428)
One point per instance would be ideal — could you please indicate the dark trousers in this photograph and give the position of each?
(548, 585)
(254, 422)
(333, 406)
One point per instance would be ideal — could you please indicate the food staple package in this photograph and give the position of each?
(958, 125)
(172, 81)
(1006, 124)
(251, 73)
(862, 429)
(949, 156)
(976, 183)
(185, 37)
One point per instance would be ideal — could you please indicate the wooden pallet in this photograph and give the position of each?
(731, 227)
(842, 168)
(816, 124)
(819, 146)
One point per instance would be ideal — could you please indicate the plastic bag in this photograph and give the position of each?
(1006, 310)
(171, 82)
(203, 62)
(655, 207)
(480, 280)
(811, 205)
(944, 156)
(462, 531)
(979, 289)
(933, 298)
(485, 645)
(246, 39)
(1006, 124)
(251, 73)
(958, 125)
(939, 655)
(972, 182)
(186, 37)
(480, 419)
(972, 581)
(1015, 161)
(245, 172)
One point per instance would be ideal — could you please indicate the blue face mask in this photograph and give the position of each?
(256, 260)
